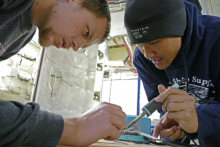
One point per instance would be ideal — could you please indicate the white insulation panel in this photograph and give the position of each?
(210, 7)
(66, 83)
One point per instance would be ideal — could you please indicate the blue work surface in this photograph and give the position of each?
(143, 125)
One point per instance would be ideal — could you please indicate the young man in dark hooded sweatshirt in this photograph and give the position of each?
(61, 23)
(173, 43)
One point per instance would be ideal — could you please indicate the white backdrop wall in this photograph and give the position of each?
(66, 83)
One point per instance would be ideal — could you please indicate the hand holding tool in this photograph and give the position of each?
(150, 107)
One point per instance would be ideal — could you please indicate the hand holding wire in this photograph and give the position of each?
(167, 127)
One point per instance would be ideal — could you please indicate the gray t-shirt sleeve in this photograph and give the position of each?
(27, 125)
(9, 3)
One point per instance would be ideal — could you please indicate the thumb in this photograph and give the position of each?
(161, 88)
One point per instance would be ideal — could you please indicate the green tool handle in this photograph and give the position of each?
(152, 106)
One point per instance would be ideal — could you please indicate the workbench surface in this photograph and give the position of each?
(120, 144)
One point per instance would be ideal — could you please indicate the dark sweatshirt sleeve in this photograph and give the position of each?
(208, 115)
(209, 120)
(27, 125)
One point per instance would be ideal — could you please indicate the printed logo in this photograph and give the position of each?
(140, 32)
(199, 90)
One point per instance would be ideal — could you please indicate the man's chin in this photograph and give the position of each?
(44, 45)
(81, 50)
(161, 67)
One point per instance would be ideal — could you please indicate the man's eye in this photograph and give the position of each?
(152, 43)
(87, 32)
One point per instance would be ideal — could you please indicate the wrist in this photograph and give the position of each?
(69, 135)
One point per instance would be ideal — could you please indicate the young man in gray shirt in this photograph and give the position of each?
(61, 23)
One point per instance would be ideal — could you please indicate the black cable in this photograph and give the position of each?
(179, 144)
(126, 59)
(187, 85)
(116, 2)
(186, 81)
(163, 142)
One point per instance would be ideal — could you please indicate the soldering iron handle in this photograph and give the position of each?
(150, 107)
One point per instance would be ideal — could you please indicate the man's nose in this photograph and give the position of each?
(79, 43)
(148, 52)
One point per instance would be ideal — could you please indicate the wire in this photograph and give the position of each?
(110, 91)
(126, 59)
(137, 133)
(187, 92)
(117, 43)
(122, 46)
(125, 47)
(183, 139)
(129, 54)
(154, 140)
(112, 2)
(130, 62)
(187, 85)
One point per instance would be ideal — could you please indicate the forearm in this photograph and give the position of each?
(103, 122)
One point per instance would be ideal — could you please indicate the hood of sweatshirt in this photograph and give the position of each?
(190, 41)
(193, 57)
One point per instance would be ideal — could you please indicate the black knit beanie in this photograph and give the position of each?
(148, 20)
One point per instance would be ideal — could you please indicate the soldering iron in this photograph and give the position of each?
(150, 107)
